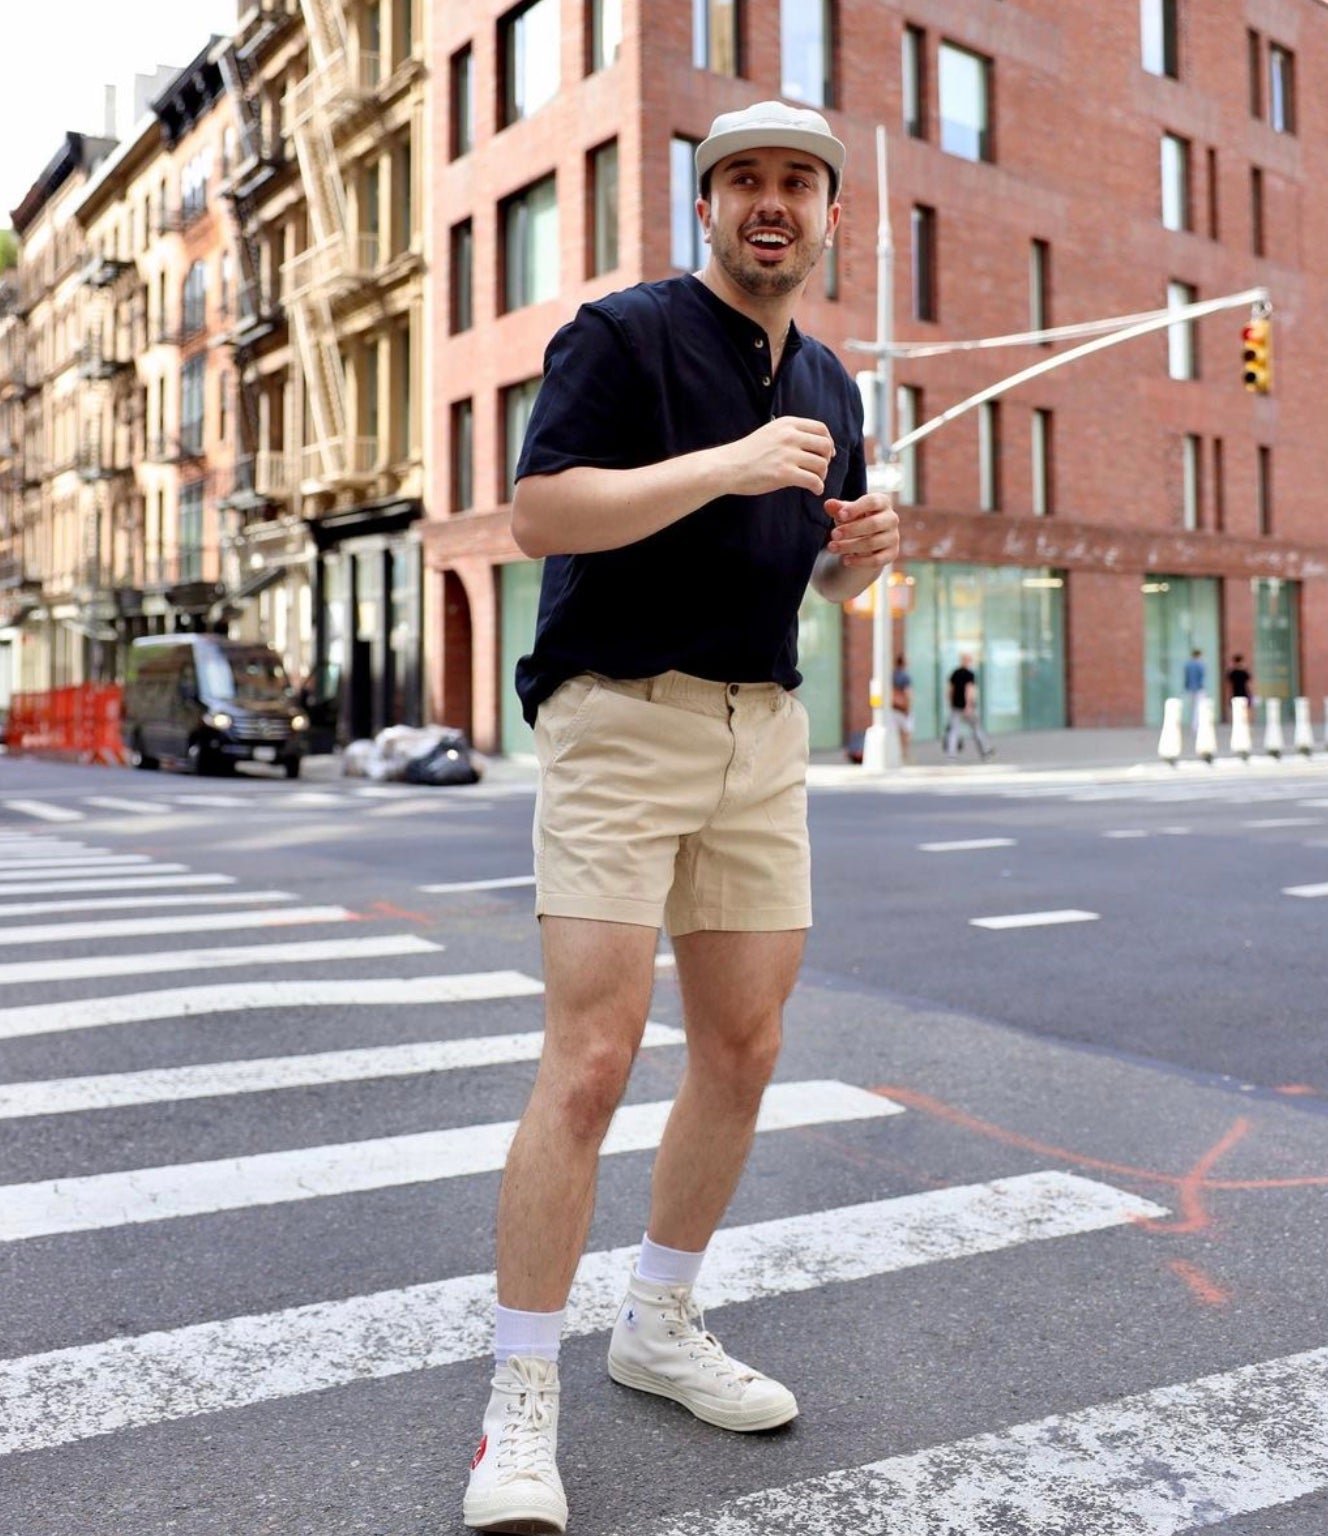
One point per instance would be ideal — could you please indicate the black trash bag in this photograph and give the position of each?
(448, 761)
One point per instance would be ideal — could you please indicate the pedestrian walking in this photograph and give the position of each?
(1194, 683)
(692, 462)
(901, 706)
(963, 686)
(1238, 680)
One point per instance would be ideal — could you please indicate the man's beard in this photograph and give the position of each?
(734, 255)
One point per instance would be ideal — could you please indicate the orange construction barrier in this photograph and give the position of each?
(82, 722)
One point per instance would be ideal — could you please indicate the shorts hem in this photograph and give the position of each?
(748, 920)
(605, 909)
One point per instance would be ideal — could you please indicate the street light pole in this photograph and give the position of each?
(880, 746)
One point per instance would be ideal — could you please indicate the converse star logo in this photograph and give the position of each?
(630, 1318)
(479, 1454)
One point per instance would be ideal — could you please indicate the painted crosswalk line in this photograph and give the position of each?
(1035, 919)
(268, 996)
(134, 807)
(211, 959)
(1305, 890)
(34, 863)
(125, 903)
(508, 882)
(169, 1085)
(1179, 1458)
(167, 877)
(100, 1200)
(967, 845)
(156, 927)
(121, 1383)
(43, 811)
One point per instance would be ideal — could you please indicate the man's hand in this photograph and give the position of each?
(866, 532)
(789, 451)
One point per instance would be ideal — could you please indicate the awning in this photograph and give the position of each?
(375, 519)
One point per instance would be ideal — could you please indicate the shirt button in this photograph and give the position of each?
(765, 378)
(733, 690)
(759, 342)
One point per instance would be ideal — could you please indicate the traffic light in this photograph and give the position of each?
(1257, 364)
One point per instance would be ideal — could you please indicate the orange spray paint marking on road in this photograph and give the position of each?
(386, 909)
(1202, 1286)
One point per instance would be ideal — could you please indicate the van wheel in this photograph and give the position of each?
(138, 758)
(292, 767)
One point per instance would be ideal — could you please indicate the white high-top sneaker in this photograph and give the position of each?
(514, 1483)
(660, 1344)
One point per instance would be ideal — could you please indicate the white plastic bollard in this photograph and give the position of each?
(1205, 731)
(1170, 744)
(1302, 737)
(1241, 743)
(1272, 727)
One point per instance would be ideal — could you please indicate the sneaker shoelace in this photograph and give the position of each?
(702, 1346)
(525, 1449)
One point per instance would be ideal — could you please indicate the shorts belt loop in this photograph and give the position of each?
(650, 689)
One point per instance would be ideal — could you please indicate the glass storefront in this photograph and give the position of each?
(1181, 614)
(519, 598)
(1010, 620)
(820, 660)
(1277, 640)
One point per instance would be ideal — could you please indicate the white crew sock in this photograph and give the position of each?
(659, 1265)
(526, 1333)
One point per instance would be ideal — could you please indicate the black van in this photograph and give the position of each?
(205, 702)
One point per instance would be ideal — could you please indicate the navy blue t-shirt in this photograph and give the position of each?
(648, 374)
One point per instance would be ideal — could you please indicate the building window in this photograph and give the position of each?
(915, 82)
(192, 380)
(1256, 212)
(462, 73)
(989, 457)
(1039, 285)
(529, 42)
(1219, 488)
(194, 317)
(463, 455)
(1281, 89)
(1191, 481)
(1175, 182)
(1182, 352)
(1212, 195)
(190, 546)
(605, 33)
(805, 40)
(686, 246)
(530, 245)
(518, 403)
(924, 263)
(965, 97)
(1255, 48)
(715, 36)
(603, 209)
(403, 395)
(463, 276)
(1158, 37)
(908, 417)
(1265, 492)
(1042, 463)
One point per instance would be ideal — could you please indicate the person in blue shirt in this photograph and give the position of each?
(1195, 678)
(693, 462)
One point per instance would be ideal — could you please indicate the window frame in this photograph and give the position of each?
(461, 454)
(986, 139)
(1039, 285)
(514, 55)
(603, 243)
(989, 456)
(598, 56)
(909, 415)
(682, 182)
(461, 81)
(913, 72)
(923, 242)
(704, 48)
(1182, 336)
(1159, 43)
(1191, 473)
(1042, 434)
(461, 277)
(1281, 88)
(1177, 200)
(519, 203)
(827, 83)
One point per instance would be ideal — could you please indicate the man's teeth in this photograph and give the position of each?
(769, 239)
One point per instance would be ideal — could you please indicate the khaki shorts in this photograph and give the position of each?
(673, 801)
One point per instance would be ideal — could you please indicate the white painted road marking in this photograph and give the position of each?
(972, 843)
(1179, 1458)
(1035, 919)
(267, 996)
(64, 862)
(213, 959)
(121, 1383)
(147, 927)
(1127, 832)
(1285, 821)
(1305, 890)
(121, 903)
(100, 1200)
(138, 807)
(167, 1085)
(481, 885)
(166, 877)
(43, 811)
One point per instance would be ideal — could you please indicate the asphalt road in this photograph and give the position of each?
(1036, 1231)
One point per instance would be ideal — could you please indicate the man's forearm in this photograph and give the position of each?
(837, 582)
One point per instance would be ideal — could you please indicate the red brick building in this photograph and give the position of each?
(1049, 164)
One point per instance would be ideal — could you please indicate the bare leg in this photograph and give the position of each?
(734, 987)
(598, 980)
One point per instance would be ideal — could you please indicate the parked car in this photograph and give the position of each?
(204, 702)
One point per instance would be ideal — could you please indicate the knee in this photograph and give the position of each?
(590, 1088)
(740, 1061)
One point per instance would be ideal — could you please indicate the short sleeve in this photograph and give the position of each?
(587, 410)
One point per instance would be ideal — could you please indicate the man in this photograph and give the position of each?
(691, 463)
(1238, 680)
(1194, 683)
(964, 711)
(901, 706)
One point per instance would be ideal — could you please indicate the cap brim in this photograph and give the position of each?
(820, 146)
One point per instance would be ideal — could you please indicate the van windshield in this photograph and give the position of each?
(242, 677)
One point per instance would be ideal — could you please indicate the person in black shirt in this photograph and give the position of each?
(964, 711)
(692, 463)
(1238, 679)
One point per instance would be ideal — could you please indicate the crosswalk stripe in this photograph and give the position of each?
(121, 1383)
(168, 1085)
(212, 959)
(1305, 890)
(147, 927)
(1035, 919)
(136, 807)
(98, 1200)
(220, 802)
(1270, 822)
(61, 862)
(267, 996)
(166, 877)
(44, 811)
(967, 845)
(1178, 1458)
(121, 903)
(511, 881)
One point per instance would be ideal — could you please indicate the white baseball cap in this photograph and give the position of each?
(771, 125)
